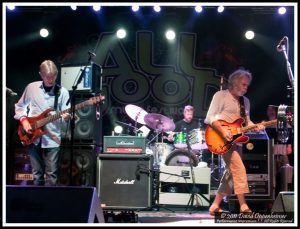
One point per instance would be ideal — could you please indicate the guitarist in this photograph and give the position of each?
(38, 97)
(226, 105)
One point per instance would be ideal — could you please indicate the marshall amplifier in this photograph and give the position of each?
(124, 144)
(124, 181)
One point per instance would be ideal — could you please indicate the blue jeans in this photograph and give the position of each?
(44, 162)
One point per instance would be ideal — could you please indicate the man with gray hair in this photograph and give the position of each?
(230, 105)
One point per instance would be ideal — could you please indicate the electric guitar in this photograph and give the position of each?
(44, 118)
(218, 145)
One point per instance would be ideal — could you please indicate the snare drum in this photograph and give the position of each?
(197, 139)
(180, 140)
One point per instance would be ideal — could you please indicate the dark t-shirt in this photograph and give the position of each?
(182, 126)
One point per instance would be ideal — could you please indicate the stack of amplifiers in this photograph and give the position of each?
(125, 181)
(124, 144)
(257, 155)
(176, 185)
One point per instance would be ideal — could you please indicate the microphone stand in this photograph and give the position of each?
(73, 109)
(284, 49)
(191, 200)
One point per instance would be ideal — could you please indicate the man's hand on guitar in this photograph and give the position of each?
(259, 127)
(26, 125)
(227, 135)
(66, 116)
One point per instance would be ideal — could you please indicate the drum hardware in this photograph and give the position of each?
(137, 114)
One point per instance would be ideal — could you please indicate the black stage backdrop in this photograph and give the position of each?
(147, 70)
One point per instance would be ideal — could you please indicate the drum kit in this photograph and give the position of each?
(161, 124)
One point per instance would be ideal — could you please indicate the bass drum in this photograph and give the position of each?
(181, 157)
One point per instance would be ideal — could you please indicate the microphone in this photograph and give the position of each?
(137, 173)
(92, 54)
(281, 43)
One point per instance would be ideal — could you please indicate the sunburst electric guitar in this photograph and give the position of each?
(218, 145)
(44, 118)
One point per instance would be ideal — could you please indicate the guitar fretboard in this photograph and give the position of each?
(268, 123)
(56, 116)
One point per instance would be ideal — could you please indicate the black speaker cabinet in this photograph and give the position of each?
(88, 124)
(124, 181)
(83, 166)
(284, 202)
(41, 204)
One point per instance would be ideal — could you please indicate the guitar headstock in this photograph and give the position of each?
(95, 100)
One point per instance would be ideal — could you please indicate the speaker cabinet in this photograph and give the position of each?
(124, 181)
(284, 202)
(41, 204)
(88, 124)
(83, 166)
(91, 80)
(176, 185)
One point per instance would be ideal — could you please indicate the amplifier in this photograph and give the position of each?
(125, 181)
(176, 185)
(124, 144)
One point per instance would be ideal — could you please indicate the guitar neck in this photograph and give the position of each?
(268, 123)
(52, 118)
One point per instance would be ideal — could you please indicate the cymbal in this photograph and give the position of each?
(159, 122)
(136, 113)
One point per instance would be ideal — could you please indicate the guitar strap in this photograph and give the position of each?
(243, 111)
(56, 93)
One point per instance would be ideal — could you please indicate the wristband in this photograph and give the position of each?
(23, 119)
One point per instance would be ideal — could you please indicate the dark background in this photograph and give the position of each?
(220, 41)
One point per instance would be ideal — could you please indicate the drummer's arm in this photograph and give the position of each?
(171, 136)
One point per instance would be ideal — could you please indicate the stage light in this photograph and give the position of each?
(220, 9)
(249, 34)
(156, 8)
(73, 7)
(121, 33)
(198, 9)
(135, 8)
(97, 7)
(11, 6)
(282, 10)
(118, 129)
(170, 35)
(44, 32)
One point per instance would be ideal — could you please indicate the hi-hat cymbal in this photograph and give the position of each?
(136, 113)
(159, 122)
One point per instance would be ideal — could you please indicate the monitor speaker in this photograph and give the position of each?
(41, 204)
(284, 202)
(124, 181)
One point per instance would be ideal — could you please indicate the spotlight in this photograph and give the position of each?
(249, 35)
(156, 8)
(97, 7)
(73, 7)
(220, 9)
(135, 8)
(170, 35)
(282, 10)
(10, 6)
(44, 32)
(118, 129)
(121, 33)
(198, 9)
